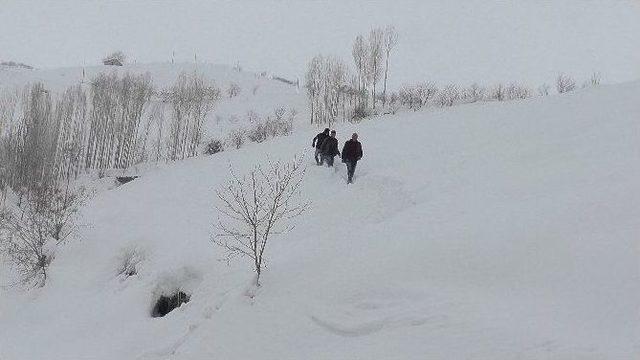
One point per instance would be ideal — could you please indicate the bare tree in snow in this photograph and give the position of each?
(360, 53)
(376, 53)
(256, 207)
(390, 41)
(29, 234)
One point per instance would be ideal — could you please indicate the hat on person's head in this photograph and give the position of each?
(333, 131)
(326, 130)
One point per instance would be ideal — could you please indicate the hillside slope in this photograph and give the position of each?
(487, 231)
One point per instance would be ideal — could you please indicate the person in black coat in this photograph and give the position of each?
(317, 144)
(351, 153)
(329, 148)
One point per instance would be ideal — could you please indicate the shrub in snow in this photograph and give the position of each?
(543, 90)
(237, 137)
(166, 303)
(213, 146)
(116, 58)
(279, 113)
(417, 96)
(129, 260)
(278, 127)
(233, 90)
(256, 206)
(475, 93)
(516, 91)
(448, 96)
(594, 80)
(497, 93)
(252, 116)
(360, 112)
(258, 133)
(565, 83)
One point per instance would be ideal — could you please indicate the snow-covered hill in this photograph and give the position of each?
(485, 231)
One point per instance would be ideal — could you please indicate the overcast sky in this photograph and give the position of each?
(462, 41)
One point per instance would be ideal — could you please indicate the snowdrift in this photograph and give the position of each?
(485, 231)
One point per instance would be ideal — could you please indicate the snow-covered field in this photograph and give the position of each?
(485, 231)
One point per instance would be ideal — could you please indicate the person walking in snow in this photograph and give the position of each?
(351, 153)
(317, 144)
(329, 148)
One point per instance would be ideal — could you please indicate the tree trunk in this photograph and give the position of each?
(384, 90)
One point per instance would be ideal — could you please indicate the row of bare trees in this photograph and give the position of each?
(428, 93)
(334, 90)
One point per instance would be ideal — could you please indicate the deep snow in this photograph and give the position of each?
(485, 231)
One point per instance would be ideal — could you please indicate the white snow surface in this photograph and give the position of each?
(484, 231)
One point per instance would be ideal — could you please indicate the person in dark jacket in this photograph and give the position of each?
(329, 148)
(351, 153)
(317, 144)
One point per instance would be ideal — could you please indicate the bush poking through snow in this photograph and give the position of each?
(565, 83)
(594, 80)
(237, 137)
(543, 90)
(475, 93)
(233, 90)
(257, 206)
(129, 261)
(498, 93)
(213, 146)
(517, 92)
(116, 58)
(448, 96)
(258, 133)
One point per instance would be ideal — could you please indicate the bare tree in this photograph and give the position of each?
(390, 41)
(326, 89)
(565, 83)
(313, 85)
(256, 207)
(28, 235)
(237, 137)
(24, 242)
(360, 55)
(376, 52)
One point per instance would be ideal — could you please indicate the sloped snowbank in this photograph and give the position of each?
(487, 231)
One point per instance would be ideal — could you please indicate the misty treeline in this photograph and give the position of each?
(427, 93)
(113, 122)
(337, 91)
